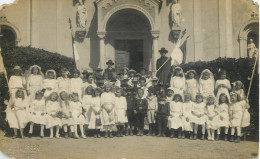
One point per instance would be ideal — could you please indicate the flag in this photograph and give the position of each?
(176, 55)
(76, 55)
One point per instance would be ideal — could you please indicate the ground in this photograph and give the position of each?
(130, 147)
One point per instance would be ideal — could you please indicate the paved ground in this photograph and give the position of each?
(126, 148)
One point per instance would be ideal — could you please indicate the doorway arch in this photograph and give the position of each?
(249, 30)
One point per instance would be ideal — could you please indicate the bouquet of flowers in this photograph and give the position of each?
(60, 115)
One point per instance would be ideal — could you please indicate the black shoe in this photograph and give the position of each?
(232, 138)
(238, 139)
(30, 135)
(225, 138)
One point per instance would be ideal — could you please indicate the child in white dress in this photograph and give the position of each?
(52, 109)
(175, 118)
(222, 85)
(152, 108)
(169, 94)
(236, 113)
(199, 117)
(223, 115)
(76, 112)
(16, 114)
(66, 119)
(76, 84)
(95, 109)
(16, 81)
(34, 81)
(108, 110)
(212, 119)
(50, 84)
(187, 115)
(64, 81)
(206, 84)
(37, 113)
(178, 81)
(120, 112)
(87, 102)
(192, 84)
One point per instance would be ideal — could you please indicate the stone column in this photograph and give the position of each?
(155, 55)
(243, 46)
(102, 36)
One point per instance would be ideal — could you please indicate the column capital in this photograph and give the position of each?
(101, 34)
(155, 34)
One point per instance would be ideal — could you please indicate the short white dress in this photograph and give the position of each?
(94, 109)
(65, 109)
(76, 111)
(237, 118)
(207, 88)
(186, 110)
(224, 115)
(63, 84)
(52, 108)
(192, 87)
(212, 110)
(38, 107)
(175, 118)
(76, 85)
(34, 84)
(108, 102)
(87, 102)
(50, 83)
(178, 85)
(199, 108)
(19, 111)
(120, 110)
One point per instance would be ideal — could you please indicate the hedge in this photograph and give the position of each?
(237, 69)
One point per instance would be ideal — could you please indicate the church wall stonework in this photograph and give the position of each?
(213, 26)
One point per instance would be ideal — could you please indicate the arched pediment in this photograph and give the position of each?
(106, 8)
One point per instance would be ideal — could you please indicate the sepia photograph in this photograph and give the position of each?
(129, 79)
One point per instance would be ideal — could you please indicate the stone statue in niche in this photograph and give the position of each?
(176, 14)
(81, 16)
(252, 50)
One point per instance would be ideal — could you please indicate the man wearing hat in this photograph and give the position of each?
(163, 72)
(110, 70)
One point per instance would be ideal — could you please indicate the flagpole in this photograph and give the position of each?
(72, 39)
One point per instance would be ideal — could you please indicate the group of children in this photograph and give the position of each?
(127, 102)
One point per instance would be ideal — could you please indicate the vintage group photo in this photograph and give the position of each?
(129, 79)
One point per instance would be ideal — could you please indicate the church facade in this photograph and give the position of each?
(130, 32)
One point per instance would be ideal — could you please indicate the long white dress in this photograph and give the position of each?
(175, 118)
(186, 110)
(192, 87)
(224, 115)
(19, 111)
(178, 85)
(212, 110)
(76, 111)
(237, 118)
(76, 85)
(63, 84)
(222, 89)
(50, 83)
(65, 109)
(199, 109)
(206, 88)
(87, 102)
(51, 110)
(38, 107)
(34, 84)
(108, 102)
(120, 110)
(95, 107)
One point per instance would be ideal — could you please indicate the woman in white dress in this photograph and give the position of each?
(37, 113)
(52, 109)
(206, 84)
(192, 84)
(34, 81)
(223, 115)
(95, 109)
(50, 83)
(175, 118)
(120, 112)
(222, 85)
(108, 110)
(178, 81)
(17, 115)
